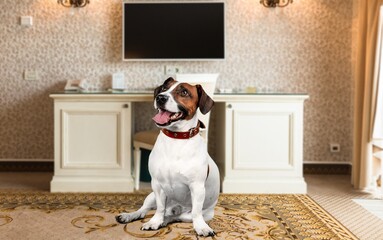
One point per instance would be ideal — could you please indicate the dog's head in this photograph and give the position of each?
(176, 101)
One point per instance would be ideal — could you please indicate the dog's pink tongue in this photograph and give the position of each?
(162, 117)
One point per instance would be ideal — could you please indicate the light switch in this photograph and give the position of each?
(26, 21)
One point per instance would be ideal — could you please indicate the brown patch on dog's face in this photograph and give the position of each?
(186, 96)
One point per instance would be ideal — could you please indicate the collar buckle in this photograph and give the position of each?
(192, 132)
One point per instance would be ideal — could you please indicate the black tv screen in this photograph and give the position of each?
(173, 31)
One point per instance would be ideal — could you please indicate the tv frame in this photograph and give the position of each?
(172, 59)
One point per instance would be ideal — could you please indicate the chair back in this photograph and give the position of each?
(208, 82)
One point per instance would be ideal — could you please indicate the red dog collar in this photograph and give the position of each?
(184, 135)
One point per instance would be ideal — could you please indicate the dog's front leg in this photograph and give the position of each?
(158, 219)
(197, 190)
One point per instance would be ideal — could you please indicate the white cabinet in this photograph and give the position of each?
(261, 146)
(92, 146)
(258, 142)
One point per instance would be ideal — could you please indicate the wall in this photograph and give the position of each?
(305, 47)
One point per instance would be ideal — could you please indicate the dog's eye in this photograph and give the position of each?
(164, 88)
(184, 93)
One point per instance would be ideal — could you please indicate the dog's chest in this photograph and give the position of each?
(176, 161)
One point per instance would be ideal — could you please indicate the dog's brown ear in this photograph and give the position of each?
(205, 103)
(157, 90)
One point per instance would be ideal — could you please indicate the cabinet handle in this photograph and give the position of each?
(125, 105)
(229, 106)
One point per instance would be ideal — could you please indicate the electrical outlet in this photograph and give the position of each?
(172, 70)
(31, 75)
(334, 147)
(26, 21)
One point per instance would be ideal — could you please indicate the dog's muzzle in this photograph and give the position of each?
(165, 117)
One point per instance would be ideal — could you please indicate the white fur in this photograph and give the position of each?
(182, 190)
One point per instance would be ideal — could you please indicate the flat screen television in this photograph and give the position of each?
(173, 31)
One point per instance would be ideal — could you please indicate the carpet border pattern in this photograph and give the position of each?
(326, 217)
(300, 215)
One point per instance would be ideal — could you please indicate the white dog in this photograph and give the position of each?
(185, 180)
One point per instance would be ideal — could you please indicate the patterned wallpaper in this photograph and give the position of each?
(305, 47)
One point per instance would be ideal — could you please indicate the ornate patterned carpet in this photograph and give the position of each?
(91, 216)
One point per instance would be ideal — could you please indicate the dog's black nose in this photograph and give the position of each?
(161, 99)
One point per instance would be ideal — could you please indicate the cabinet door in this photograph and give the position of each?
(94, 138)
(264, 147)
(262, 136)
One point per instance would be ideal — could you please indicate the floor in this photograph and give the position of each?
(333, 192)
(375, 206)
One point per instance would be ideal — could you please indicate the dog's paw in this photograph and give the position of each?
(203, 229)
(153, 225)
(129, 217)
(123, 218)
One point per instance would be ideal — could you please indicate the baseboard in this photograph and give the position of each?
(327, 168)
(47, 166)
(25, 160)
(26, 166)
